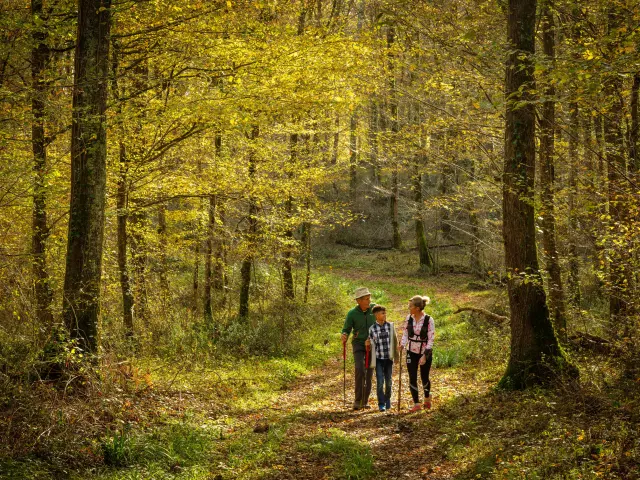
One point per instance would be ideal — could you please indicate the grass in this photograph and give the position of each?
(349, 458)
(192, 416)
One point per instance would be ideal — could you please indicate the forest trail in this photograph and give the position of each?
(403, 445)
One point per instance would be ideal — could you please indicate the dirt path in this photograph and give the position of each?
(403, 445)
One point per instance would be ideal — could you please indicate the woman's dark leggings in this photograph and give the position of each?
(412, 367)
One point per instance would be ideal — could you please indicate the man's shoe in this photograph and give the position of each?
(356, 407)
(367, 407)
(415, 408)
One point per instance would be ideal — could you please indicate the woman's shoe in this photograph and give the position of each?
(427, 403)
(415, 408)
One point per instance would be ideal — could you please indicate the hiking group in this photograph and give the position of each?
(375, 345)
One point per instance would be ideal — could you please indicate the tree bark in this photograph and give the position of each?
(535, 353)
(573, 281)
(208, 262)
(634, 157)
(139, 256)
(287, 267)
(81, 300)
(162, 239)
(393, 113)
(547, 177)
(619, 272)
(353, 157)
(373, 144)
(245, 269)
(123, 267)
(40, 56)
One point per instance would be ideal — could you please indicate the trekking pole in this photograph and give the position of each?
(344, 373)
(364, 377)
(400, 382)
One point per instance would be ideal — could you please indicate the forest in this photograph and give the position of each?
(191, 192)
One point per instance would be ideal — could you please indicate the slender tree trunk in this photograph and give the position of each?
(634, 157)
(81, 301)
(573, 281)
(353, 157)
(547, 177)
(393, 113)
(619, 272)
(373, 144)
(475, 259)
(287, 267)
(123, 267)
(139, 262)
(534, 347)
(306, 242)
(219, 281)
(208, 265)
(245, 269)
(162, 236)
(122, 200)
(426, 260)
(40, 56)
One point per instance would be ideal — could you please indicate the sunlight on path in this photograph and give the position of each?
(403, 445)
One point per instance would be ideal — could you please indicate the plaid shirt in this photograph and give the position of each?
(381, 336)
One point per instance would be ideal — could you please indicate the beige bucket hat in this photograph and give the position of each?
(361, 292)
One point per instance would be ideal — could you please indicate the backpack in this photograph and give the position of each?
(424, 331)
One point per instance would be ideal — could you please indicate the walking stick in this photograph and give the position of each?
(364, 377)
(344, 373)
(400, 382)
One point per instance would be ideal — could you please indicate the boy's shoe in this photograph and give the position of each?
(382, 409)
(388, 405)
(415, 408)
(427, 403)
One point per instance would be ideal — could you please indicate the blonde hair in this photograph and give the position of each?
(419, 301)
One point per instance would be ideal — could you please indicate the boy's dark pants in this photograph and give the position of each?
(384, 369)
(362, 397)
(412, 367)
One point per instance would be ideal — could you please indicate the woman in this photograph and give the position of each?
(417, 339)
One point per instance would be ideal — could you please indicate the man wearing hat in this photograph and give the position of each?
(359, 319)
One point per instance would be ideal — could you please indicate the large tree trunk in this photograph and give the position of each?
(547, 177)
(40, 56)
(245, 269)
(81, 301)
(534, 348)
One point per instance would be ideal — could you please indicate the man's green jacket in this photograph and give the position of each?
(359, 321)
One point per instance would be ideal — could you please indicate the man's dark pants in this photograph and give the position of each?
(362, 398)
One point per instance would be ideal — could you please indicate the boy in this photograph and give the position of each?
(384, 346)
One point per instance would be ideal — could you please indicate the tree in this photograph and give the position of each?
(547, 176)
(535, 355)
(40, 57)
(81, 301)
